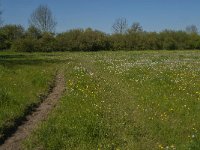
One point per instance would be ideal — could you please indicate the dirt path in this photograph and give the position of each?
(23, 131)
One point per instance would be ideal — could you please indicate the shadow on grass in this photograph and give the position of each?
(16, 60)
(8, 130)
(15, 56)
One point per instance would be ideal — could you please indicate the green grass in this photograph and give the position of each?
(125, 100)
(114, 100)
(24, 79)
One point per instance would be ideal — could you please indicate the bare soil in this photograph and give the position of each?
(40, 114)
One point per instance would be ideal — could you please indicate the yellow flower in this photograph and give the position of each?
(160, 146)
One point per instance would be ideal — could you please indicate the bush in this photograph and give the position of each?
(3, 42)
(33, 40)
(26, 45)
(47, 43)
(83, 40)
(33, 32)
(9, 34)
(29, 44)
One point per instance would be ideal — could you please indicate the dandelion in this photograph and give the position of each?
(160, 146)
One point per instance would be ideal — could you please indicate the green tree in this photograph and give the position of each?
(47, 43)
(26, 45)
(9, 34)
(33, 32)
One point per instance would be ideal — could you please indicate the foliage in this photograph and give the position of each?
(93, 40)
(33, 32)
(47, 43)
(26, 45)
(9, 34)
(83, 40)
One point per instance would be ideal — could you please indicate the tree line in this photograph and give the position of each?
(41, 36)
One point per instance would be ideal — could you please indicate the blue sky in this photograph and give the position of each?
(154, 15)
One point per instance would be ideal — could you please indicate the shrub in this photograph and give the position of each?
(9, 34)
(26, 45)
(47, 43)
(83, 40)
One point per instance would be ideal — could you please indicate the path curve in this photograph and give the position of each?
(40, 114)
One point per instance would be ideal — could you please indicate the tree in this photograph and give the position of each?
(192, 29)
(25, 45)
(9, 34)
(120, 26)
(43, 19)
(33, 32)
(47, 43)
(136, 27)
(12, 32)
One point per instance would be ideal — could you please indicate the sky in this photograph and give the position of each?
(153, 15)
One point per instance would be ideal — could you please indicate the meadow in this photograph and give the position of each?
(114, 100)
(25, 80)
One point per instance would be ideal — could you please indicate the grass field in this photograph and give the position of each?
(24, 80)
(114, 100)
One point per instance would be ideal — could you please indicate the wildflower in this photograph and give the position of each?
(172, 146)
(160, 146)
